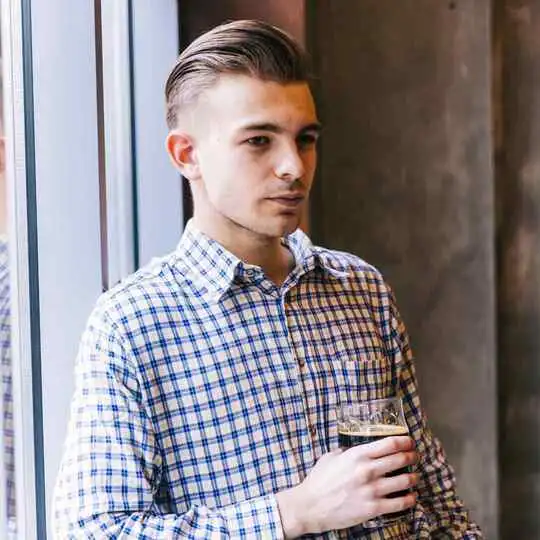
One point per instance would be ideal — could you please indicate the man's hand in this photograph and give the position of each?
(347, 488)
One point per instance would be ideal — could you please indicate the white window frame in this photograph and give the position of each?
(16, 96)
(53, 170)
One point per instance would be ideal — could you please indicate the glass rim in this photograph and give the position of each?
(376, 401)
(376, 412)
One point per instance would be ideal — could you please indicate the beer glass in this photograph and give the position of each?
(368, 421)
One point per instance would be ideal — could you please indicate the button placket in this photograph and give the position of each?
(308, 445)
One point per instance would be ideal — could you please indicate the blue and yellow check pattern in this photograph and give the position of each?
(202, 389)
(7, 387)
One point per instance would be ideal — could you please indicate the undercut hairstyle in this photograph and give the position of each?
(245, 47)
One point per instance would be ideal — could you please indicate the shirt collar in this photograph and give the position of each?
(309, 257)
(213, 269)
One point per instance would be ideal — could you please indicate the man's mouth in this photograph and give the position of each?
(290, 201)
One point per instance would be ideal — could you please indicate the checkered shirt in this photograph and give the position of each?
(7, 395)
(202, 389)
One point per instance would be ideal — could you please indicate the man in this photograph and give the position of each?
(207, 382)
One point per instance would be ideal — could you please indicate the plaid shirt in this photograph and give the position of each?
(6, 390)
(202, 389)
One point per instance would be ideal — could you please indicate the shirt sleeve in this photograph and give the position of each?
(439, 512)
(111, 471)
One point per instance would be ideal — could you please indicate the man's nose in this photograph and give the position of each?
(290, 165)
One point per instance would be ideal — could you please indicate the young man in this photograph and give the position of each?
(207, 382)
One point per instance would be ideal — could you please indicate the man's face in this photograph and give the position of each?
(255, 146)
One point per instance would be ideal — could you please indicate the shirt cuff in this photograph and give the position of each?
(254, 518)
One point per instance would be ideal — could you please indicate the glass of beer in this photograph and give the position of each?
(368, 421)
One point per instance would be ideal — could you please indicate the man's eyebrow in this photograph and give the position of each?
(314, 126)
(274, 128)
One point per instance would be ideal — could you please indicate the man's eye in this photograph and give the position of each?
(306, 140)
(258, 141)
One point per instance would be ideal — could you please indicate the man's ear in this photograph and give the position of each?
(181, 150)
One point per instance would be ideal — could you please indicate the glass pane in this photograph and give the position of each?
(8, 491)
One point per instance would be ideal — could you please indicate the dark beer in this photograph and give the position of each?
(353, 437)
(349, 438)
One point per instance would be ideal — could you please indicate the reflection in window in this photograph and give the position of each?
(8, 500)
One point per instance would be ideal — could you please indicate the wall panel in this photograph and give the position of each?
(518, 241)
(406, 182)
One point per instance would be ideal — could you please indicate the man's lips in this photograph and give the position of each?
(288, 200)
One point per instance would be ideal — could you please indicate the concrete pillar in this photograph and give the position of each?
(406, 182)
(518, 241)
(201, 15)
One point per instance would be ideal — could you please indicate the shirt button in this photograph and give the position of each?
(312, 430)
(301, 362)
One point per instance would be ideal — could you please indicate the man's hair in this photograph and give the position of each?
(245, 47)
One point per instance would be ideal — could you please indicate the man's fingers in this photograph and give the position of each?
(387, 464)
(382, 448)
(393, 484)
(396, 504)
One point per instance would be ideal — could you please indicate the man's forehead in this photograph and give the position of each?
(245, 91)
(240, 101)
(253, 101)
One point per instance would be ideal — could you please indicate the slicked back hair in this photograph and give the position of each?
(245, 47)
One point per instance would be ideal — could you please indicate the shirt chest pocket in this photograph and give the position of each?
(365, 370)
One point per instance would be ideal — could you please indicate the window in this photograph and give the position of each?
(90, 194)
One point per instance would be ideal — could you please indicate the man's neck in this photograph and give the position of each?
(268, 253)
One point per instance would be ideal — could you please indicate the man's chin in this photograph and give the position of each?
(285, 229)
(275, 226)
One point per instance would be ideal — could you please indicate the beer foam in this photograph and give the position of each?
(375, 430)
